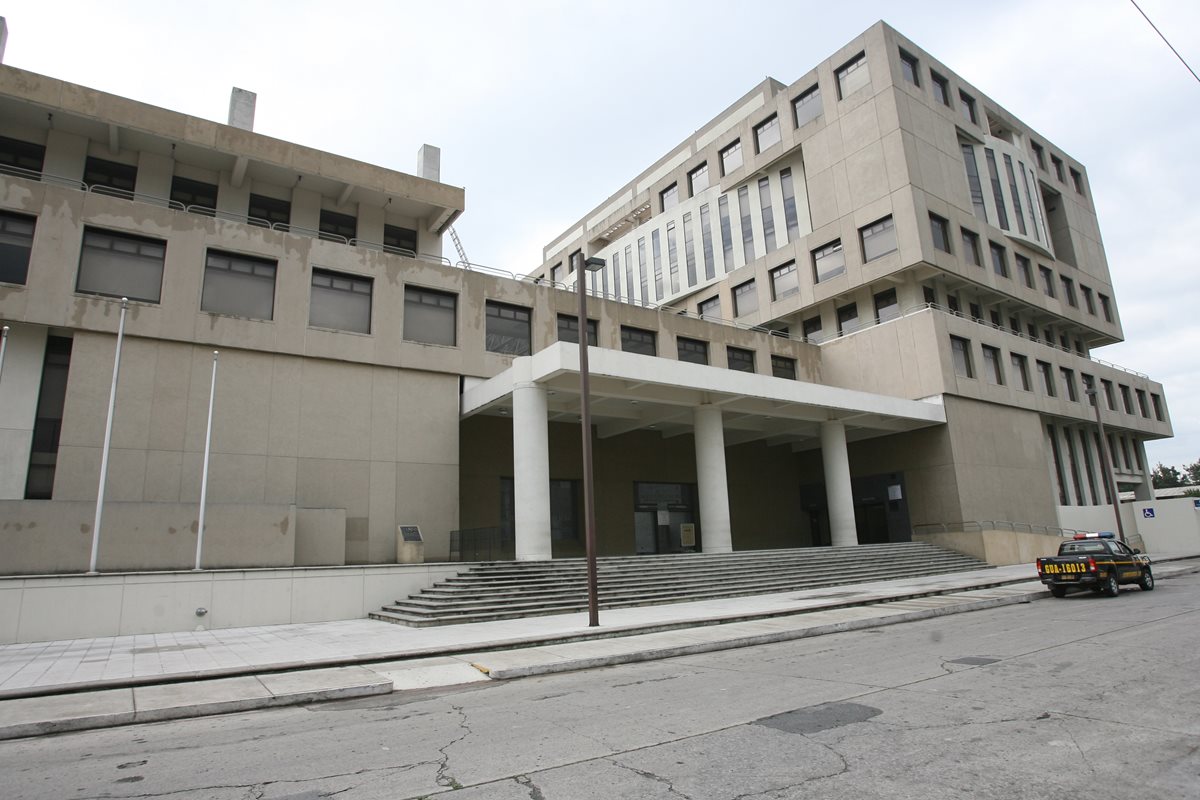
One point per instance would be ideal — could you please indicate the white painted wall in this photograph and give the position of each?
(1175, 527)
(39, 609)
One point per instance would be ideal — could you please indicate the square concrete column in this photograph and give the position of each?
(839, 497)
(713, 482)
(531, 471)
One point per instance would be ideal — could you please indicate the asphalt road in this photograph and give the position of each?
(1080, 697)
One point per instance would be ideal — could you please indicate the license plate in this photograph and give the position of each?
(1063, 569)
(1067, 577)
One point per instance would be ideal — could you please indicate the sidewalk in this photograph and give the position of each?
(50, 687)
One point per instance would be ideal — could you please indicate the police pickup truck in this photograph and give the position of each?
(1096, 561)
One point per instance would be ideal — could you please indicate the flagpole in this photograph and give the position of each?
(212, 391)
(112, 402)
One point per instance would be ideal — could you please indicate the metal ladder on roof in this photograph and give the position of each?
(462, 254)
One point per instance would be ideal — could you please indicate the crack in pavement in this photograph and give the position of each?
(535, 793)
(1091, 767)
(444, 778)
(650, 776)
(845, 768)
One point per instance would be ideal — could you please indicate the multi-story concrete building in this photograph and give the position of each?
(845, 309)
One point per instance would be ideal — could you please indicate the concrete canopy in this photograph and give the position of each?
(635, 392)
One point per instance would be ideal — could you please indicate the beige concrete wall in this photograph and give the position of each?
(20, 382)
(38, 609)
(320, 537)
(40, 537)
(378, 442)
(998, 548)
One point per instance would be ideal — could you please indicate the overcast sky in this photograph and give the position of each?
(543, 109)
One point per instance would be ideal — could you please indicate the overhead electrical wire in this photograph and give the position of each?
(1164, 38)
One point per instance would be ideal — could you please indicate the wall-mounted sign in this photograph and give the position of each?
(1147, 513)
(410, 533)
(687, 534)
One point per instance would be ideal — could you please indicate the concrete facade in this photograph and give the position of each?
(365, 381)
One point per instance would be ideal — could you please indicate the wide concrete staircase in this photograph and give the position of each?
(512, 589)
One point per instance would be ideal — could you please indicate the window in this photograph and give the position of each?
(1106, 308)
(789, 204)
(929, 294)
(1088, 302)
(573, 261)
(111, 177)
(909, 68)
(1109, 398)
(745, 299)
(1025, 268)
(243, 286)
(1047, 280)
(1126, 398)
(847, 319)
(1039, 154)
(706, 241)
(992, 370)
(852, 76)
(1014, 325)
(405, 240)
(672, 258)
(340, 301)
(1058, 168)
(976, 312)
(1089, 387)
(1015, 193)
(1158, 406)
(18, 158)
(1141, 401)
(430, 316)
(971, 247)
(689, 252)
(710, 308)
(508, 329)
(966, 104)
(698, 179)
(997, 192)
(731, 157)
(995, 315)
(878, 239)
(1069, 291)
(16, 242)
(952, 303)
(973, 181)
(783, 367)
(941, 88)
(747, 226)
(1068, 376)
(766, 133)
(960, 351)
(1021, 367)
(999, 260)
(726, 232)
(568, 329)
(785, 281)
(196, 196)
(1077, 180)
(669, 197)
(268, 211)
(829, 261)
(812, 329)
(556, 273)
(768, 215)
(940, 229)
(739, 359)
(656, 253)
(886, 305)
(636, 340)
(807, 106)
(121, 265)
(1047, 376)
(692, 350)
(337, 227)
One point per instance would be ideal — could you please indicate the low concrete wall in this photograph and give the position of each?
(46, 608)
(999, 548)
(41, 537)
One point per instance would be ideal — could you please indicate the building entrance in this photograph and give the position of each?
(880, 510)
(665, 518)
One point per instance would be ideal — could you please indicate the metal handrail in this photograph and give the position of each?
(979, 526)
(383, 248)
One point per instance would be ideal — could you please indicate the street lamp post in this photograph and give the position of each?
(585, 423)
(1094, 397)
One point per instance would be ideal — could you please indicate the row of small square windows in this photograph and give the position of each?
(940, 230)
(993, 373)
(910, 68)
(828, 261)
(115, 264)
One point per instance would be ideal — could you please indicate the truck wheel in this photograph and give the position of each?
(1110, 586)
(1147, 581)
(1058, 591)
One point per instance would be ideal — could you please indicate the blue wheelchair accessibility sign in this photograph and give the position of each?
(1147, 513)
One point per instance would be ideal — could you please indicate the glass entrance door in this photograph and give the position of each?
(661, 512)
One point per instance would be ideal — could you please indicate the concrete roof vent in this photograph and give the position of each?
(429, 162)
(241, 108)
